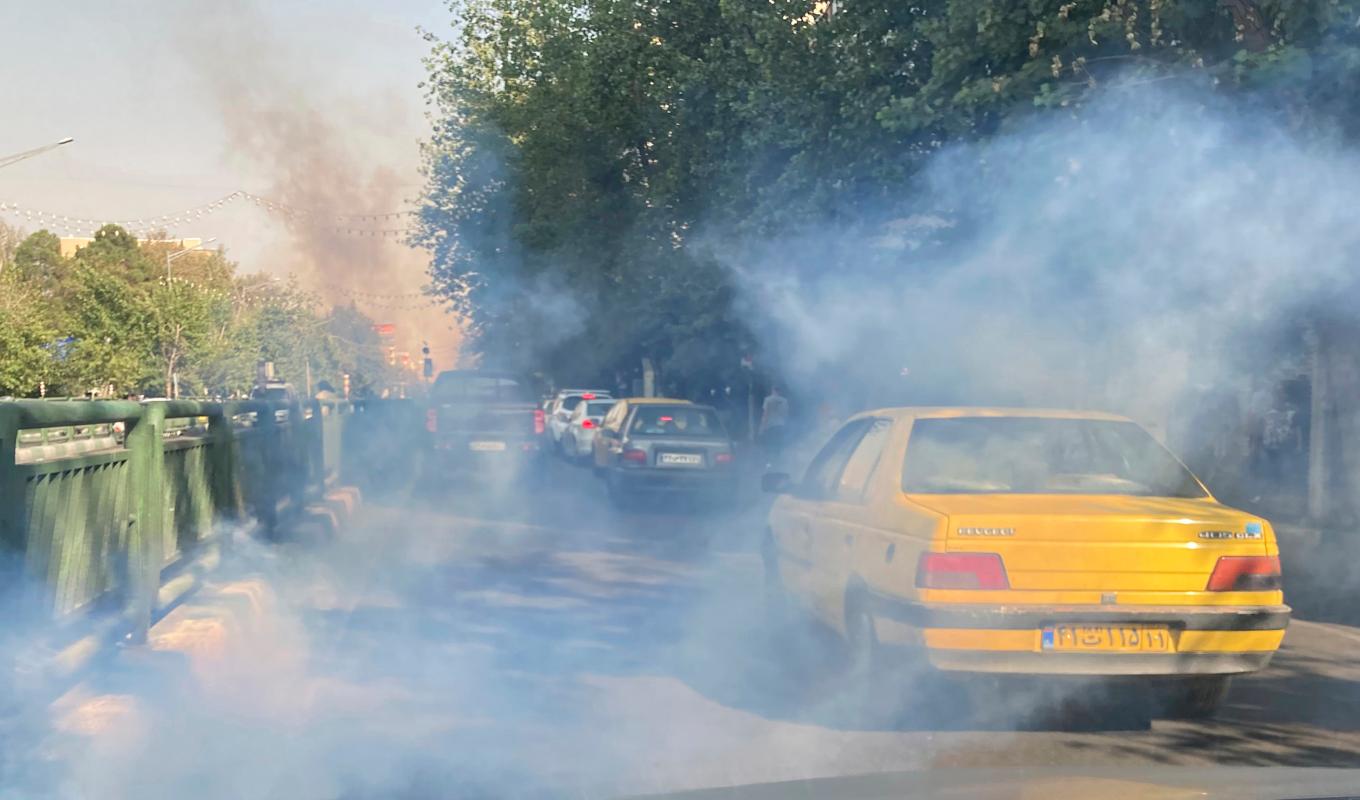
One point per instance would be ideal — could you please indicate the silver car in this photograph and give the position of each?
(559, 412)
(579, 437)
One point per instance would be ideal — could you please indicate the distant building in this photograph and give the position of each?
(70, 244)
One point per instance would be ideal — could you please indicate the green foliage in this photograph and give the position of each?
(25, 337)
(109, 320)
(589, 154)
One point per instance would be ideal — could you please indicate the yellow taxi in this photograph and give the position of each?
(1026, 541)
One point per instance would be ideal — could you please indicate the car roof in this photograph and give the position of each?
(651, 401)
(954, 412)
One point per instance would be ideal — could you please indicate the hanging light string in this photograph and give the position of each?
(343, 224)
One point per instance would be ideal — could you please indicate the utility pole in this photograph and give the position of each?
(170, 257)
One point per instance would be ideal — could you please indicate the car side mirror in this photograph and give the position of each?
(776, 483)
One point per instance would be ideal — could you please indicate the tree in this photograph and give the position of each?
(26, 338)
(592, 161)
(113, 328)
(39, 262)
(182, 316)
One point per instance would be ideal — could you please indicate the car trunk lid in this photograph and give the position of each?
(1099, 542)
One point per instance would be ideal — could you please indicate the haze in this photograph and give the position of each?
(167, 102)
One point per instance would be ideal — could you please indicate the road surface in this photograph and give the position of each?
(472, 643)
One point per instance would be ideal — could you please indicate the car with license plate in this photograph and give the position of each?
(579, 438)
(560, 409)
(652, 447)
(484, 422)
(1026, 542)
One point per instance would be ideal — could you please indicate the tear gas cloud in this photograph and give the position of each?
(1109, 258)
(1103, 260)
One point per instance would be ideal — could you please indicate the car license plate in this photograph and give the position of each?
(486, 447)
(680, 459)
(1107, 639)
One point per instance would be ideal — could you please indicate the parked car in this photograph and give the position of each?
(1031, 542)
(579, 438)
(649, 447)
(481, 420)
(565, 403)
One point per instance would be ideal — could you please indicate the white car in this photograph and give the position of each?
(579, 437)
(560, 413)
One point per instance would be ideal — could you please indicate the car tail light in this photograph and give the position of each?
(722, 458)
(1245, 574)
(432, 421)
(587, 423)
(588, 396)
(961, 571)
(539, 423)
(634, 456)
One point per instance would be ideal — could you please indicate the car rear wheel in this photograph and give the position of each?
(862, 638)
(1193, 698)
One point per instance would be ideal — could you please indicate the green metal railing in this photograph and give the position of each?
(99, 498)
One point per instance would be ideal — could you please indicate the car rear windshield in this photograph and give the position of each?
(675, 421)
(466, 387)
(570, 403)
(599, 409)
(1030, 455)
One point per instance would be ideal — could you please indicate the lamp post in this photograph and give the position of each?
(170, 257)
(5, 161)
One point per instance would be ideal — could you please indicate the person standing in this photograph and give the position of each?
(774, 418)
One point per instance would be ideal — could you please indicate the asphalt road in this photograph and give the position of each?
(473, 642)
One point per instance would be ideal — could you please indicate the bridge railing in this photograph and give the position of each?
(101, 499)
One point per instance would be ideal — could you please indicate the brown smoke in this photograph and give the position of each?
(328, 157)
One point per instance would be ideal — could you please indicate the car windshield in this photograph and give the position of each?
(598, 409)
(1031, 455)
(675, 421)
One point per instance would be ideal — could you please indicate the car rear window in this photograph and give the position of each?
(465, 387)
(675, 421)
(1030, 455)
(570, 403)
(599, 409)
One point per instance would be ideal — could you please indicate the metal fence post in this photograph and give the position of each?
(226, 495)
(12, 506)
(267, 503)
(146, 540)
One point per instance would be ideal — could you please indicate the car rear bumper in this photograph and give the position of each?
(460, 455)
(646, 479)
(1206, 640)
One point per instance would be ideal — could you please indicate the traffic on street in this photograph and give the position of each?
(678, 399)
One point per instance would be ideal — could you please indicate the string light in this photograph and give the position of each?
(324, 220)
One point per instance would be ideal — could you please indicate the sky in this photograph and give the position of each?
(175, 104)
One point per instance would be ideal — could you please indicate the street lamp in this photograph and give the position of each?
(17, 157)
(170, 257)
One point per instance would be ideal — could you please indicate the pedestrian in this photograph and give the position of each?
(774, 418)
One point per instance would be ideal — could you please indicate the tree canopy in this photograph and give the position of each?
(109, 319)
(593, 159)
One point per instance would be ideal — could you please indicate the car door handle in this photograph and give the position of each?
(849, 540)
